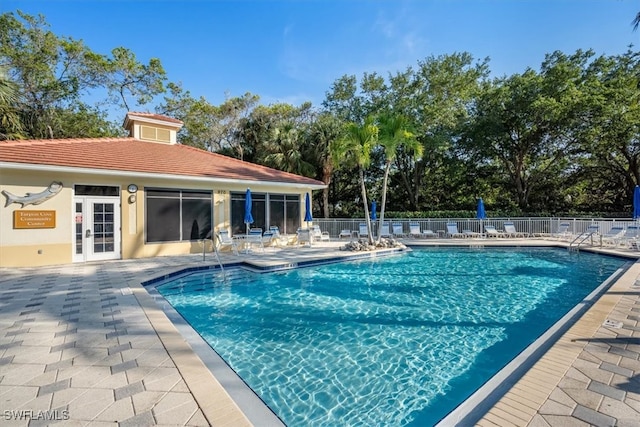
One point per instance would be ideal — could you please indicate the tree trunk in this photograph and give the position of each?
(384, 198)
(366, 206)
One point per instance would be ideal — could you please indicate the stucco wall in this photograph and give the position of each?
(34, 247)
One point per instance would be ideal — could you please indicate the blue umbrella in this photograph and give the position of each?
(248, 218)
(481, 214)
(307, 209)
(374, 206)
(636, 203)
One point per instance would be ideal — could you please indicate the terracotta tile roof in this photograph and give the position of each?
(133, 155)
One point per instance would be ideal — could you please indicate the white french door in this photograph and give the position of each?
(97, 228)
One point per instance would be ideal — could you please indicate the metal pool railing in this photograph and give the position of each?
(532, 226)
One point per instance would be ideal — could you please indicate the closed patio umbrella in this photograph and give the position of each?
(307, 209)
(374, 206)
(481, 214)
(636, 202)
(248, 218)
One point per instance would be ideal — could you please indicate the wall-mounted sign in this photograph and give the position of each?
(34, 219)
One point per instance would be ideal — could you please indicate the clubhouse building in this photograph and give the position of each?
(88, 199)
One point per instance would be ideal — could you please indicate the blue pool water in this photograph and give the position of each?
(399, 340)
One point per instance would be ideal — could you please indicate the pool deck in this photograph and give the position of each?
(86, 344)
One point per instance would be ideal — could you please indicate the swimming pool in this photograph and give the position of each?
(396, 341)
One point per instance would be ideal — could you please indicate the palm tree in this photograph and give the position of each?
(322, 132)
(394, 134)
(285, 151)
(10, 124)
(636, 21)
(354, 149)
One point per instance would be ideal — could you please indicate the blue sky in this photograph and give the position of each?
(292, 51)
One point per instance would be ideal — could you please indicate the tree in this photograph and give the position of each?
(321, 133)
(54, 75)
(393, 135)
(285, 151)
(10, 125)
(353, 149)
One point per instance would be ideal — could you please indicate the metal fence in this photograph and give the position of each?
(532, 226)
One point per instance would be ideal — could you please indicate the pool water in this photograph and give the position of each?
(398, 340)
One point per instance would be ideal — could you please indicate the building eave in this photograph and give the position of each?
(168, 177)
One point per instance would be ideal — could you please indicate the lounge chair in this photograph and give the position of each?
(397, 229)
(318, 234)
(470, 233)
(414, 231)
(452, 230)
(254, 237)
(362, 230)
(510, 230)
(225, 241)
(384, 230)
(304, 236)
(491, 231)
(429, 234)
(630, 236)
(612, 236)
(563, 231)
(344, 234)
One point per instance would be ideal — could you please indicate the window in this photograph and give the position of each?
(177, 215)
(282, 210)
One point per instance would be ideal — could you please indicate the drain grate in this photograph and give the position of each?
(612, 324)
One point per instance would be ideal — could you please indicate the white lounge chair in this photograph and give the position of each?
(612, 237)
(254, 238)
(414, 231)
(471, 233)
(362, 230)
(491, 231)
(304, 236)
(344, 234)
(225, 241)
(397, 229)
(510, 230)
(319, 235)
(563, 231)
(384, 230)
(452, 230)
(630, 237)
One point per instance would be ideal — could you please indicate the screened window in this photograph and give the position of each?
(177, 215)
(281, 210)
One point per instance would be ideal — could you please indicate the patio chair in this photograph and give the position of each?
(452, 230)
(630, 237)
(253, 238)
(225, 240)
(563, 231)
(304, 236)
(471, 233)
(397, 229)
(612, 236)
(414, 231)
(510, 230)
(344, 234)
(318, 234)
(384, 230)
(491, 231)
(362, 230)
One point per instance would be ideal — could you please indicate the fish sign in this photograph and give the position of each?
(33, 198)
